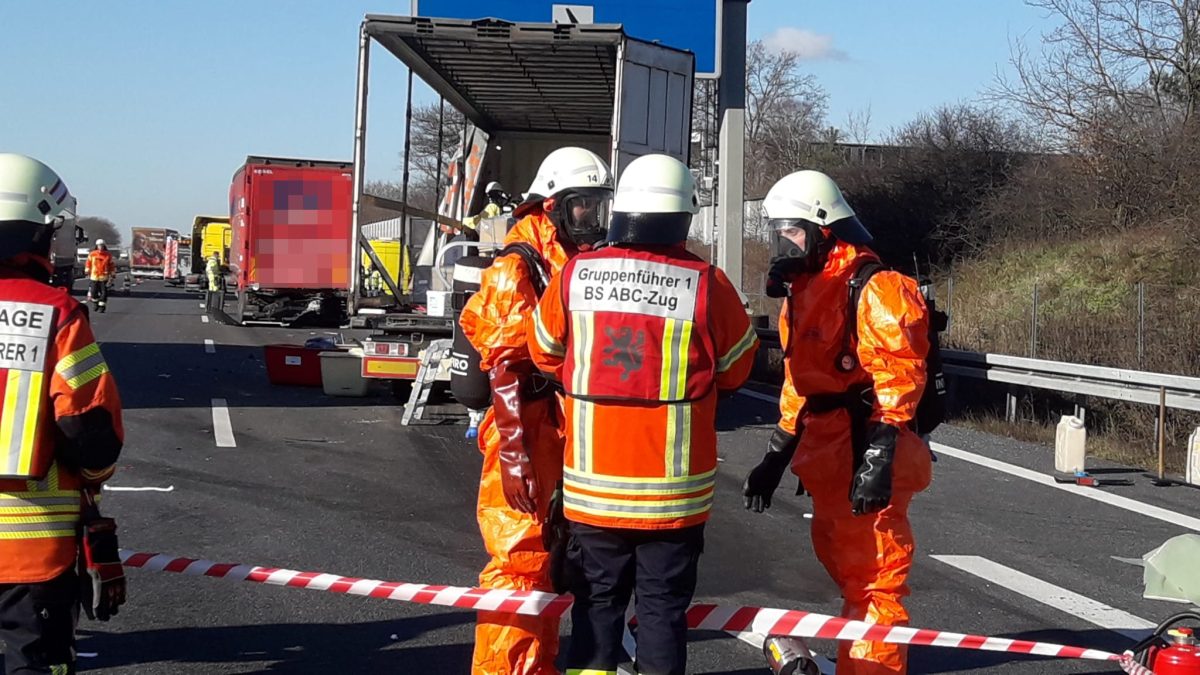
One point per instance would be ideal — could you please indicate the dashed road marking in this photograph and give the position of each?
(210, 347)
(222, 427)
(204, 318)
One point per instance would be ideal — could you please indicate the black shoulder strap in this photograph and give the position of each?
(533, 260)
(847, 360)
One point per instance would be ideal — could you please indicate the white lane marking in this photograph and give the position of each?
(210, 347)
(760, 396)
(1118, 501)
(827, 667)
(204, 318)
(222, 427)
(1083, 607)
(110, 488)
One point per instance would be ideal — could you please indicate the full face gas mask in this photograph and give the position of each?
(801, 242)
(581, 216)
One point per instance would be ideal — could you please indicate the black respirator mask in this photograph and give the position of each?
(581, 216)
(807, 258)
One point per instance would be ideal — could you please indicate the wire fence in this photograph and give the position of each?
(1140, 326)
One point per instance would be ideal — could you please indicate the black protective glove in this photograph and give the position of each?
(101, 577)
(780, 274)
(516, 468)
(763, 479)
(871, 487)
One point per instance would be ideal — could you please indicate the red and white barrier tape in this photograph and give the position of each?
(764, 621)
(531, 603)
(1133, 667)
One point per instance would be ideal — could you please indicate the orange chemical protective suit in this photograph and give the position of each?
(494, 320)
(868, 556)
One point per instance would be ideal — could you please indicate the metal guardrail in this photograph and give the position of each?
(1181, 393)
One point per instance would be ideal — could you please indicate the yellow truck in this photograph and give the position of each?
(394, 256)
(210, 234)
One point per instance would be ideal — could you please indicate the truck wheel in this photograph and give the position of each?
(240, 317)
(402, 389)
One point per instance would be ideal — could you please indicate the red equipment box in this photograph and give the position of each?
(293, 364)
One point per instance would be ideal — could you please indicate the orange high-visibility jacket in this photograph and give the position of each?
(51, 374)
(99, 265)
(641, 338)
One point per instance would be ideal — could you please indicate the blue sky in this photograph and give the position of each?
(147, 107)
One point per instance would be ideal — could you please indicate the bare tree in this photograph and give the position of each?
(785, 115)
(101, 228)
(429, 144)
(942, 168)
(858, 125)
(1136, 61)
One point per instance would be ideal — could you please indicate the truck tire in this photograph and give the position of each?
(240, 315)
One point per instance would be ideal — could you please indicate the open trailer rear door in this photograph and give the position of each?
(654, 85)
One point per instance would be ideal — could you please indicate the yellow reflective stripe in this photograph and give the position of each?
(677, 340)
(82, 366)
(589, 671)
(36, 495)
(33, 408)
(545, 341)
(570, 486)
(638, 510)
(668, 354)
(39, 526)
(582, 339)
(10, 460)
(679, 439)
(637, 505)
(584, 426)
(748, 340)
(672, 450)
(64, 532)
(39, 518)
(609, 480)
(76, 356)
(18, 422)
(60, 669)
(87, 376)
(35, 510)
(681, 359)
(47, 485)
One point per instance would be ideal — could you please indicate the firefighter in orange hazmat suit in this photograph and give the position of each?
(520, 436)
(848, 406)
(643, 335)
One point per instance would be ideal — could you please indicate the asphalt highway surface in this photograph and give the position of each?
(337, 485)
